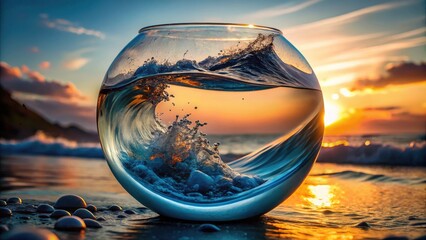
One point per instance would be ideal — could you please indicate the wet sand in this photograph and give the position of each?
(332, 201)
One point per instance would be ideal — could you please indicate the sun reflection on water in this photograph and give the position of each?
(321, 196)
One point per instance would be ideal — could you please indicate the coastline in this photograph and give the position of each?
(328, 204)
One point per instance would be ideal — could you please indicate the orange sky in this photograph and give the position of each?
(369, 56)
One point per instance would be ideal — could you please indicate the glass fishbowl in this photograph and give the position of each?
(177, 87)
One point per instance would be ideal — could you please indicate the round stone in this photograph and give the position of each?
(3, 203)
(70, 223)
(200, 181)
(115, 208)
(70, 202)
(363, 225)
(129, 211)
(101, 219)
(5, 212)
(14, 200)
(43, 216)
(45, 208)
(92, 208)
(59, 213)
(84, 213)
(208, 228)
(121, 216)
(90, 223)
(30, 233)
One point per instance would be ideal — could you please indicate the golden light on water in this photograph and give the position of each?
(320, 196)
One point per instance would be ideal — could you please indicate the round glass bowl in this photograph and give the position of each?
(209, 121)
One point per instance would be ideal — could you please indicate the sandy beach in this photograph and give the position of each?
(331, 203)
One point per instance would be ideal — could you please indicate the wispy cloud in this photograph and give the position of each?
(408, 34)
(68, 26)
(281, 10)
(345, 18)
(338, 40)
(381, 48)
(336, 66)
(75, 63)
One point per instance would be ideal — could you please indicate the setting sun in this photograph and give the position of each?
(332, 113)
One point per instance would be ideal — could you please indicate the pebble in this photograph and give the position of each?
(115, 208)
(70, 202)
(70, 223)
(3, 203)
(121, 216)
(45, 208)
(4, 228)
(30, 233)
(92, 208)
(326, 212)
(84, 213)
(207, 227)
(43, 216)
(129, 211)
(24, 218)
(201, 179)
(90, 223)
(59, 213)
(14, 200)
(101, 219)
(363, 225)
(5, 212)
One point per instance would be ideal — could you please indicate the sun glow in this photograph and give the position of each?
(320, 196)
(332, 113)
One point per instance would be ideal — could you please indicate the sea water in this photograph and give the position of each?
(155, 125)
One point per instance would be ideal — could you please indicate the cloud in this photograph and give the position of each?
(336, 40)
(408, 34)
(379, 120)
(381, 48)
(344, 65)
(281, 10)
(76, 63)
(400, 74)
(24, 80)
(68, 26)
(344, 18)
(44, 65)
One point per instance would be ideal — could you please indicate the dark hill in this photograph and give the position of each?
(18, 122)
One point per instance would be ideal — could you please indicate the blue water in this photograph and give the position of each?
(403, 150)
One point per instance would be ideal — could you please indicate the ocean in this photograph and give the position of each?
(398, 150)
(361, 186)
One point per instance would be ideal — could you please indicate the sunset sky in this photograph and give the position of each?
(369, 56)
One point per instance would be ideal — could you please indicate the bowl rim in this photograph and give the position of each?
(249, 26)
